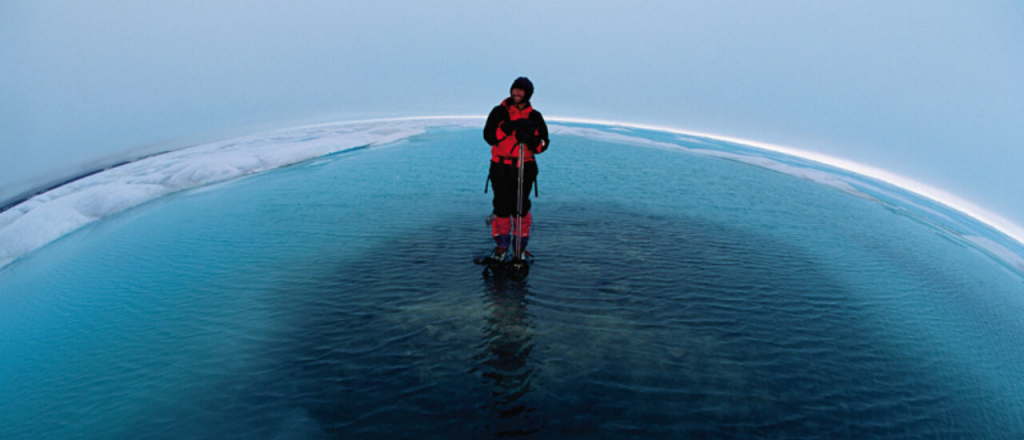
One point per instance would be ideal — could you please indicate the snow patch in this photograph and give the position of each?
(49, 216)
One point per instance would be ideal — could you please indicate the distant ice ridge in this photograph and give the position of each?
(854, 182)
(46, 217)
(822, 177)
(1000, 251)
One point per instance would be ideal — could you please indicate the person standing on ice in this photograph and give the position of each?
(510, 124)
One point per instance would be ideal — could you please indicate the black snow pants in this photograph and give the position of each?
(505, 182)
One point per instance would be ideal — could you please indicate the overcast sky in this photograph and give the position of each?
(930, 90)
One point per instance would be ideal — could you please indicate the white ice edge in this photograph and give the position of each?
(819, 176)
(996, 221)
(49, 216)
(998, 250)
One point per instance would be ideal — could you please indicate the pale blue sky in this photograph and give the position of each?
(930, 90)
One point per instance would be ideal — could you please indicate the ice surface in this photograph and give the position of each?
(1000, 251)
(808, 173)
(47, 217)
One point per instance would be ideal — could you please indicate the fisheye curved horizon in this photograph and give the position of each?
(43, 218)
(663, 263)
(951, 200)
(987, 216)
(332, 219)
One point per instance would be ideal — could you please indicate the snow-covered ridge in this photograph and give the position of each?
(49, 216)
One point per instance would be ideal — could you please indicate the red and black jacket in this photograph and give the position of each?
(505, 147)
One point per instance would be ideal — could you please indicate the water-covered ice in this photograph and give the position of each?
(55, 213)
(689, 286)
(46, 217)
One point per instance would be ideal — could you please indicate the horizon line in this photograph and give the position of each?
(950, 200)
(946, 198)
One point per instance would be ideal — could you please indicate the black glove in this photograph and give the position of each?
(525, 130)
(523, 126)
(531, 140)
(534, 146)
(507, 127)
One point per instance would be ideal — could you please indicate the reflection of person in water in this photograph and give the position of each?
(506, 355)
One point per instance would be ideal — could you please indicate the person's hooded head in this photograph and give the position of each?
(523, 83)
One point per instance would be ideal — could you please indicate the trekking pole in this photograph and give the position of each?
(519, 205)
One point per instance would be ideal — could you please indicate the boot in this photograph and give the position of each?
(501, 245)
(520, 253)
(499, 254)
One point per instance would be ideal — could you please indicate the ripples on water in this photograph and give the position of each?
(675, 297)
